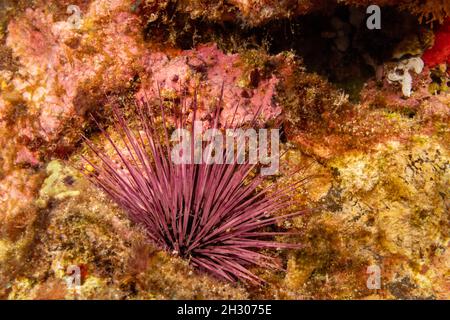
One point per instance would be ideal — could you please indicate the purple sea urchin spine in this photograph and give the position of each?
(211, 214)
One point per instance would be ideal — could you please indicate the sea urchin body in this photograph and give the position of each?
(214, 215)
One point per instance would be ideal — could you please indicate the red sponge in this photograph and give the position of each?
(440, 52)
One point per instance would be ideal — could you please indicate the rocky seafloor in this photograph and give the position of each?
(376, 140)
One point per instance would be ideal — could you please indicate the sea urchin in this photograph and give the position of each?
(214, 215)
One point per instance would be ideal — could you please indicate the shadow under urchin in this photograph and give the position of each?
(214, 215)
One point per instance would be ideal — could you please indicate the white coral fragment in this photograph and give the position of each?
(401, 73)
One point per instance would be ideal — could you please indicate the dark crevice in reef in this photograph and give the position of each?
(335, 44)
(340, 47)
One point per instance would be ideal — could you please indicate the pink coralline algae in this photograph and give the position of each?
(440, 52)
(211, 68)
(63, 66)
(25, 156)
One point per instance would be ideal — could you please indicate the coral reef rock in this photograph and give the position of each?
(388, 209)
(377, 151)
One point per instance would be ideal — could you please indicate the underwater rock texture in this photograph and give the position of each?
(66, 71)
(381, 162)
(387, 209)
(86, 230)
(248, 90)
(257, 12)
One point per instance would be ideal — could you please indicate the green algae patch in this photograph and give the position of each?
(60, 183)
